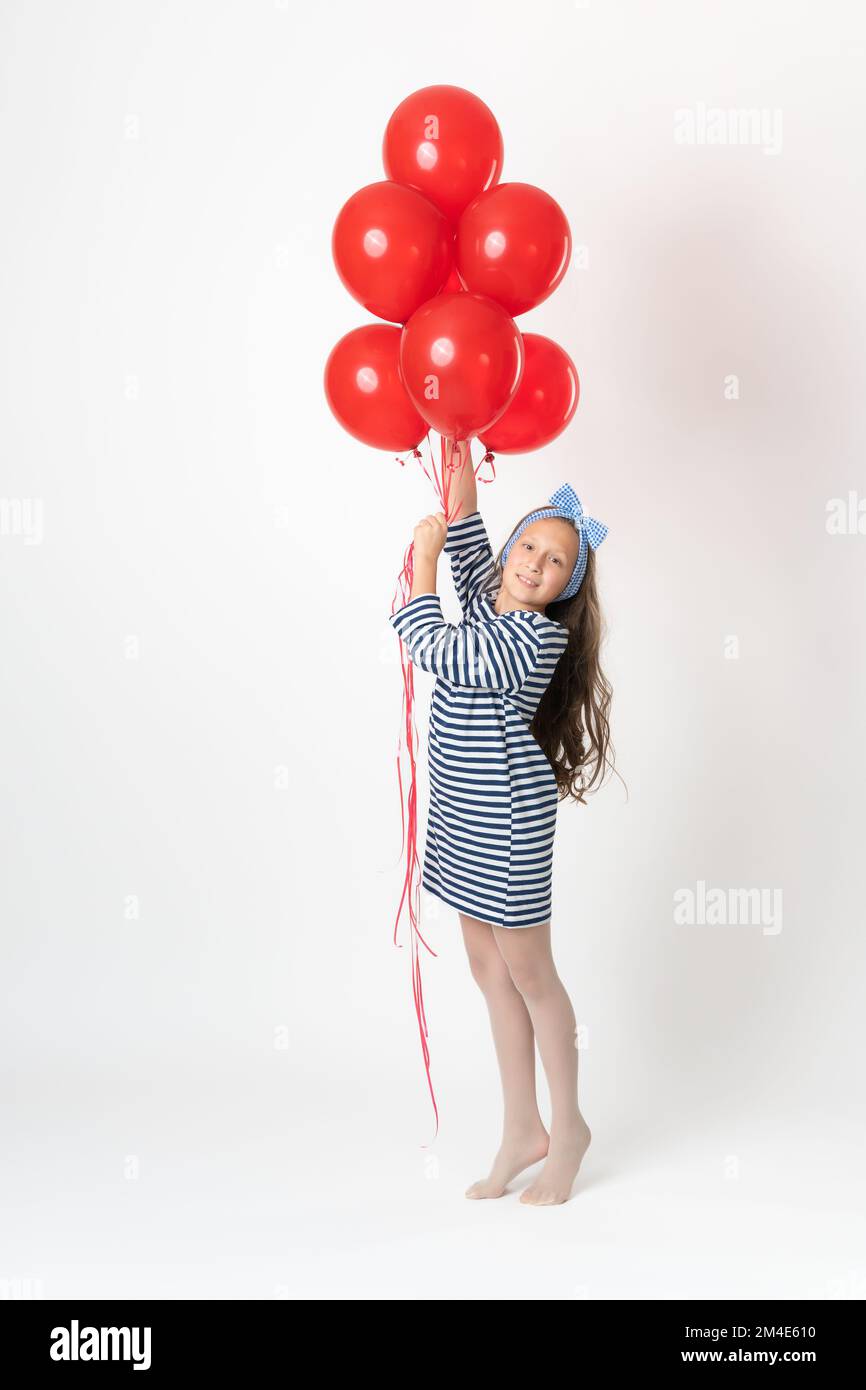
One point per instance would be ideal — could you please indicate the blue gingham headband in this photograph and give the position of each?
(566, 503)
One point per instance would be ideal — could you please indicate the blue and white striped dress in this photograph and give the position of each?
(493, 793)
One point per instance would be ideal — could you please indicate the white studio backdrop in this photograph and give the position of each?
(211, 1066)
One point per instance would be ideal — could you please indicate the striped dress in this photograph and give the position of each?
(493, 793)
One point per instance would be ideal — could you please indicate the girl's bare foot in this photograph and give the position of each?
(554, 1182)
(516, 1153)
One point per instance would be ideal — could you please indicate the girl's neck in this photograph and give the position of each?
(504, 604)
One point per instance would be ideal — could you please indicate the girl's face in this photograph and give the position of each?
(540, 562)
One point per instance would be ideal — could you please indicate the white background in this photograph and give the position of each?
(224, 1095)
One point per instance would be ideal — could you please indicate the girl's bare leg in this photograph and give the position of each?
(526, 952)
(524, 1137)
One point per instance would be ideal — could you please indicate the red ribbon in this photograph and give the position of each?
(408, 739)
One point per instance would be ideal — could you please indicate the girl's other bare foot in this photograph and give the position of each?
(517, 1151)
(554, 1183)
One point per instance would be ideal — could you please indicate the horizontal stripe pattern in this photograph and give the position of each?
(493, 794)
(468, 548)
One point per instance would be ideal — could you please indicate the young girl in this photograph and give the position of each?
(518, 713)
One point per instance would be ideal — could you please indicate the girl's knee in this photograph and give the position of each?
(489, 971)
(486, 964)
(526, 952)
(531, 979)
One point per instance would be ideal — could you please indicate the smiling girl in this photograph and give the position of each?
(518, 722)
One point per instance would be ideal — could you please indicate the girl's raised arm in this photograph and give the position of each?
(463, 493)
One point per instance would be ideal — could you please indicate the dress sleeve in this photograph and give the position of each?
(468, 547)
(499, 654)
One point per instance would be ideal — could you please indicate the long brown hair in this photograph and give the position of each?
(571, 723)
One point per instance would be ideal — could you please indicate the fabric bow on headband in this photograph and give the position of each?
(567, 504)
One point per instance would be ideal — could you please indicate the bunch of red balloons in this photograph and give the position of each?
(445, 250)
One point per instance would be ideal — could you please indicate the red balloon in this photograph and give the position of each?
(513, 244)
(365, 392)
(545, 402)
(461, 359)
(452, 284)
(392, 248)
(444, 141)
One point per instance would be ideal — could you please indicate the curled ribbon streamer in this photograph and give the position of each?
(442, 478)
(411, 882)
